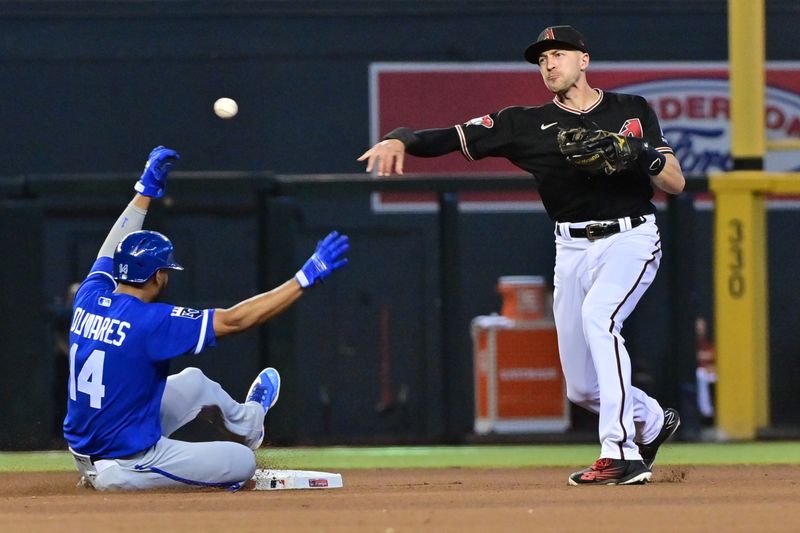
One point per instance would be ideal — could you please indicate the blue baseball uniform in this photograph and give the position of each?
(120, 349)
(123, 405)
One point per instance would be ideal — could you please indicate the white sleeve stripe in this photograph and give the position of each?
(463, 140)
(106, 273)
(203, 327)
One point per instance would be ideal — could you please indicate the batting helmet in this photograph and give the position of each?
(140, 254)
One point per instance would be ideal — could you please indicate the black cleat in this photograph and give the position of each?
(672, 421)
(612, 472)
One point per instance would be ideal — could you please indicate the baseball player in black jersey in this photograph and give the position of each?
(596, 156)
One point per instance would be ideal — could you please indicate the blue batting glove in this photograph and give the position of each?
(329, 256)
(153, 182)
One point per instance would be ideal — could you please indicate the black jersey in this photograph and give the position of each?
(526, 136)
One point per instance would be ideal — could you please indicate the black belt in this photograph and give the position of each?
(598, 230)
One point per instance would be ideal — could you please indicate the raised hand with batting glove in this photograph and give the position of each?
(328, 256)
(153, 182)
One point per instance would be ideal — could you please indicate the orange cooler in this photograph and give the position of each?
(519, 386)
(523, 297)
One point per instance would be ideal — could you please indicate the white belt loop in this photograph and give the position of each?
(562, 229)
(624, 224)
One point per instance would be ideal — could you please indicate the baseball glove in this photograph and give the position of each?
(598, 150)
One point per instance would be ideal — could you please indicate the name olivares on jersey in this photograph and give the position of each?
(98, 328)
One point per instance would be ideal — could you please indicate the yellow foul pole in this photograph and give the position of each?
(740, 289)
(747, 82)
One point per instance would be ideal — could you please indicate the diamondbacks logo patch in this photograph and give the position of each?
(485, 121)
(186, 312)
(632, 128)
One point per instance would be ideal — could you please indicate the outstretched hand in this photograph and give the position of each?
(329, 256)
(388, 155)
(154, 178)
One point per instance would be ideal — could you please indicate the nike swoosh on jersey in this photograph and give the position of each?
(545, 126)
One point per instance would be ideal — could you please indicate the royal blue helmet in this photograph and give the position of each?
(141, 254)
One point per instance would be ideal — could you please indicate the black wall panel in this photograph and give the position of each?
(27, 360)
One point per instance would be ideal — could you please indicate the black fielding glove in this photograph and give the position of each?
(598, 150)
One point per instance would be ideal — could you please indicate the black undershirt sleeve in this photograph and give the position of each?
(427, 143)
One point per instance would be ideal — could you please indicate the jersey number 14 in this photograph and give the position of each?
(90, 378)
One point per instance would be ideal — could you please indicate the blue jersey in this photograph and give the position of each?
(120, 349)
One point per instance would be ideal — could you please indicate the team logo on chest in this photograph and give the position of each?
(632, 128)
(485, 121)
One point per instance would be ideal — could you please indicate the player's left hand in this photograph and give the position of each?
(329, 256)
(154, 178)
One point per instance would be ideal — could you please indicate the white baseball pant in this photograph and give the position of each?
(597, 284)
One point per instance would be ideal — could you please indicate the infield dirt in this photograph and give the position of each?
(763, 498)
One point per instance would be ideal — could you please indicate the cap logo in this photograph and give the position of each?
(123, 271)
(548, 34)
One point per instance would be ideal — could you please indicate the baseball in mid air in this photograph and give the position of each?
(226, 108)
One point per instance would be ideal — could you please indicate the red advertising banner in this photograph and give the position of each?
(690, 99)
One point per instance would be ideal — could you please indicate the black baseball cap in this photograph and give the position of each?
(551, 37)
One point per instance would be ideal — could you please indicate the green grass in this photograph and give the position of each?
(484, 456)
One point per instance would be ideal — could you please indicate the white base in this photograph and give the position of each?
(296, 479)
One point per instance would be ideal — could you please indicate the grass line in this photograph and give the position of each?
(485, 456)
(520, 456)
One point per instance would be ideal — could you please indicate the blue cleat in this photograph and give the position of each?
(265, 389)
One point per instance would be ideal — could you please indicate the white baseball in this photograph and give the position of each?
(226, 108)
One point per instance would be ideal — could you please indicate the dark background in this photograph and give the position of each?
(90, 87)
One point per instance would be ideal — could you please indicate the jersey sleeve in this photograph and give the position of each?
(100, 278)
(179, 330)
(489, 135)
(653, 133)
